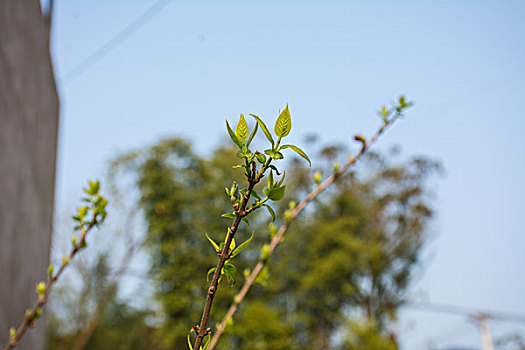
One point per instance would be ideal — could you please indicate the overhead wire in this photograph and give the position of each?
(115, 41)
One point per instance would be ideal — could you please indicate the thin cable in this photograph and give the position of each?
(464, 311)
(114, 41)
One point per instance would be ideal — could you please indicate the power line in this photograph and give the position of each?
(114, 41)
(465, 311)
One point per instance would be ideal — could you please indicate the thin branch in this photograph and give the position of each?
(250, 280)
(34, 313)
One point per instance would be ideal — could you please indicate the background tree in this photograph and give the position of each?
(353, 254)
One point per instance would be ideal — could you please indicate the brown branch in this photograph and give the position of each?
(224, 255)
(33, 314)
(250, 280)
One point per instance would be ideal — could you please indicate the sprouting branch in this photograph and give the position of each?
(96, 211)
(251, 279)
(275, 191)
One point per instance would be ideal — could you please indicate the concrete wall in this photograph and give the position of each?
(28, 141)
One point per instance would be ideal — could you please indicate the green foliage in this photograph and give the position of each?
(283, 125)
(241, 131)
(366, 335)
(356, 250)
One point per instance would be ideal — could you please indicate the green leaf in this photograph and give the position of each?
(241, 131)
(283, 125)
(232, 244)
(277, 156)
(213, 243)
(256, 195)
(271, 166)
(270, 180)
(189, 343)
(252, 135)
(228, 215)
(270, 210)
(260, 157)
(210, 271)
(264, 128)
(245, 219)
(233, 136)
(231, 277)
(282, 179)
(229, 267)
(275, 194)
(205, 346)
(230, 271)
(298, 151)
(243, 246)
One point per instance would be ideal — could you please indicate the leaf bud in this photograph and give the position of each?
(360, 138)
(50, 270)
(265, 252)
(287, 215)
(336, 167)
(74, 240)
(41, 288)
(12, 332)
(273, 230)
(229, 323)
(65, 259)
(28, 314)
(292, 205)
(317, 177)
(38, 313)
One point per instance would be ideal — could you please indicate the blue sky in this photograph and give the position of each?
(196, 63)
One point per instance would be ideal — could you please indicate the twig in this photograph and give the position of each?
(253, 178)
(97, 207)
(33, 314)
(250, 280)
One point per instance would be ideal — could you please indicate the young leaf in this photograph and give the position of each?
(243, 246)
(232, 244)
(210, 271)
(282, 179)
(283, 125)
(252, 135)
(189, 343)
(270, 210)
(260, 157)
(205, 346)
(256, 195)
(264, 128)
(230, 271)
(231, 277)
(275, 194)
(277, 156)
(233, 136)
(213, 243)
(271, 166)
(245, 219)
(228, 215)
(298, 151)
(241, 131)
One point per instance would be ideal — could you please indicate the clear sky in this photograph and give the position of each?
(196, 63)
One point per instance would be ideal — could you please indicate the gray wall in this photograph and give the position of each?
(28, 141)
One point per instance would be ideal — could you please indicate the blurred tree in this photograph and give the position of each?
(120, 327)
(354, 253)
(337, 282)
